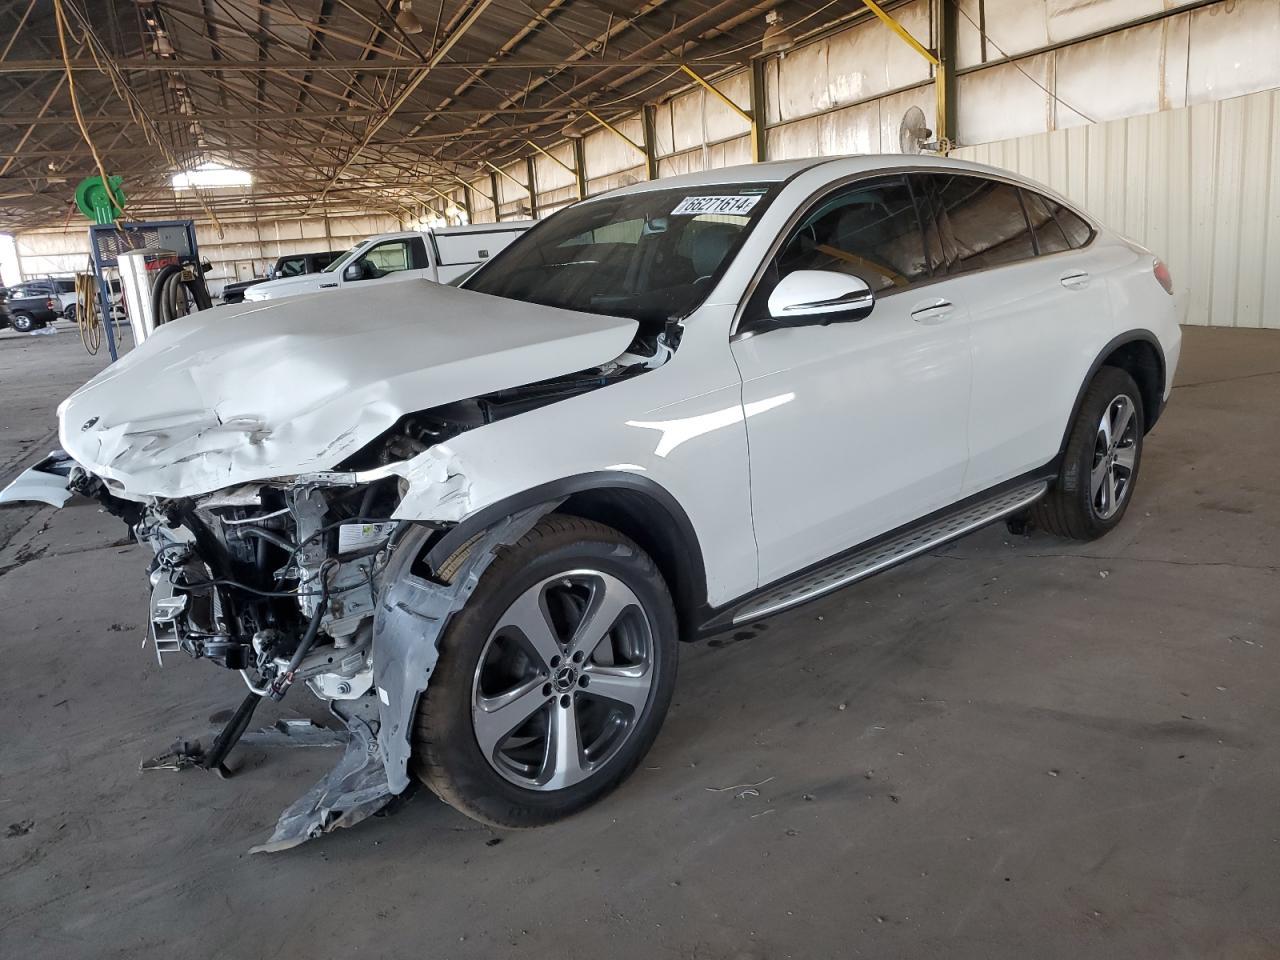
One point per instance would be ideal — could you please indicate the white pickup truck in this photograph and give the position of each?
(440, 255)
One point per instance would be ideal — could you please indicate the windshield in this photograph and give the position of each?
(653, 255)
(341, 261)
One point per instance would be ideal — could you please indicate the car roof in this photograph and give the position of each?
(485, 227)
(776, 171)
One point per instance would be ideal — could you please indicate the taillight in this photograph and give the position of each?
(51, 305)
(1162, 274)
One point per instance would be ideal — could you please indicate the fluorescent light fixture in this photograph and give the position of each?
(211, 175)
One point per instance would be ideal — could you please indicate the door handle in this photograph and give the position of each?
(933, 311)
(1075, 281)
(326, 286)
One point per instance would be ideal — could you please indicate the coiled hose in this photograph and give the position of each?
(173, 292)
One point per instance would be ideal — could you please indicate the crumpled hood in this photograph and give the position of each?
(259, 391)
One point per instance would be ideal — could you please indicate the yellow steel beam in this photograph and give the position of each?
(744, 114)
(609, 126)
(552, 157)
(901, 31)
(707, 85)
(502, 173)
(471, 186)
(940, 81)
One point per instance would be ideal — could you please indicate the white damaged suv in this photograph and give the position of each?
(479, 520)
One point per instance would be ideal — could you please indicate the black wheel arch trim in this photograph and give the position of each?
(1129, 336)
(690, 594)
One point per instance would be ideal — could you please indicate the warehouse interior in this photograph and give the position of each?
(1011, 746)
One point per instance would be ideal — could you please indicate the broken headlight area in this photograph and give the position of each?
(279, 583)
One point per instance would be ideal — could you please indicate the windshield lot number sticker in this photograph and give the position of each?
(695, 205)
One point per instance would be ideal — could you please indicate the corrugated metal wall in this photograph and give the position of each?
(1199, 186)
(1147, 112)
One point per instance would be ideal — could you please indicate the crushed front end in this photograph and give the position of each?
(279, 582)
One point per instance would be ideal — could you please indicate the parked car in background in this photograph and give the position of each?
(32, 305)
(62, 289)
(293, 265)
(669, 410)
(440, 255)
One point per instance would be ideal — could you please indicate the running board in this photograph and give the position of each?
(913, 542)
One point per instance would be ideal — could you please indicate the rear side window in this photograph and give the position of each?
(1057, 228)
(1079, 233)
(981, 223)
(870, 230)
(1049, 234)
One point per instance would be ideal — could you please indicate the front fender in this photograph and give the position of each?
(411, 616)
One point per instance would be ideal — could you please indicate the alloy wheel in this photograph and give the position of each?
(564, 679)
(1115, 453)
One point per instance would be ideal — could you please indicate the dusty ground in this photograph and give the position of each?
(1011, 748)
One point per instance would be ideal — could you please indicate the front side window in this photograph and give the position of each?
(293, 267)
(980, 222)
(651, 256)
(392, 256)
(871, 231)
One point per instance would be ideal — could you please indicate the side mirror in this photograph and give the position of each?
(353, 271)
(821, 295)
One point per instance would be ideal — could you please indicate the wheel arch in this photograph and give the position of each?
(1139, 354)
(635, 506)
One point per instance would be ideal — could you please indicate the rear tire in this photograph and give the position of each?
(1100, 465)
(531, 715)
(23, 322)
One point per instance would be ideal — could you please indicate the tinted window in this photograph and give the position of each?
(1049, 235)
(871, 231)
(1078, 232)
(293, 267)
(980, 222)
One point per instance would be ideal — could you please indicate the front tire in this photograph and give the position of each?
(552, 681)
(1100, 465)
(23, 322)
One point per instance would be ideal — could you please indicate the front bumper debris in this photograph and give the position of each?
(352, 791)
(46, 482)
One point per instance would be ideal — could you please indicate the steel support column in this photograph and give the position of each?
(531, 176)
(759, 137)
(947, 16)
(941, 86)
(580, 167)
(648, 114)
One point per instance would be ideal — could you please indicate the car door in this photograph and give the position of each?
(854, 428)
(403, 258)
(1029, 295)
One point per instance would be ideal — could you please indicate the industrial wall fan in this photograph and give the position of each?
(915, 136)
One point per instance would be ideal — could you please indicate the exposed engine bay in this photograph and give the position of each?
(301, 581)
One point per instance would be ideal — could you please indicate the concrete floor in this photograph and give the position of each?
(1010, 748)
